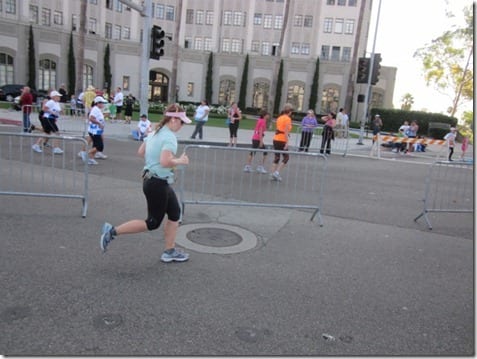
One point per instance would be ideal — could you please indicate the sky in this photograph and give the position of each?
(405, 26)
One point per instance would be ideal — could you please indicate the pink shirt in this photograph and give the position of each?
(259, 128)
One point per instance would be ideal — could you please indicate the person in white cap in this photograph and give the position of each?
(95, 130)
(450, 138)
(51, 111)
(159, 151)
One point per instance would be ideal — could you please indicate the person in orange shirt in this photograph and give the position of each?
(280, 141)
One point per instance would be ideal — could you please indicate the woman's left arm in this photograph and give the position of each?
(141, 151)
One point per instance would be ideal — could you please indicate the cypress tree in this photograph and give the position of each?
(31, 61)
(243, 85)
(107, 69)
(208, 80)
(278, 93)
(71, 67)
(314, 87)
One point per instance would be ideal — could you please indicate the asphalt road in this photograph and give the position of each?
(371, 281)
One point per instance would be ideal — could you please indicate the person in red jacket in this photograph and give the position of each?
(26, 102)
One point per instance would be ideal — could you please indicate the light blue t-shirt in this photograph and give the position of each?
(165, 139)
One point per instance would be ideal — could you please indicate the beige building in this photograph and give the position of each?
(335, 31)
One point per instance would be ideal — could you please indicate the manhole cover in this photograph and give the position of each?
(214, 237)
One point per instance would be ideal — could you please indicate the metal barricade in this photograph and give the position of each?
(24, 172)
(449, 188)
(215, 176)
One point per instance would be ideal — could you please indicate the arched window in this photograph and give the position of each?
(88, 73)
(330, 100)
(47, 75)
(295, 96)
(6, 69)
(261, 91)
(158, 87)
(226, 92)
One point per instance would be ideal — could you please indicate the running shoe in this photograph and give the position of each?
(174, 256)
(106, 236)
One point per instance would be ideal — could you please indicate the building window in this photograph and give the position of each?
(117, 32)
(34, 16)
(339, 26)
(325, 52)
(341, 2)
(335, 53)
(257, 19)
(227, 17)
(190, 89)
(346, 56)
(209, 17)
(46, 17)
(74, 22)
(265, 48)
(352, 2)
(226, 45)
(236, 46)
(305, 49)
(308, 21)
(255, 46)
(295, 48)
(330, 2)
(349, 27)
(108, 31)
(11, 6)
(94, 2)
(189, 16)
(126, 81)
(278, 22)
(87, 76)
(6, 69)
(295, 96)
(238, 18)
(261, 92)
(109, 6)
(199, 17)
(126, 33)
(47, 75)
(118, 6)
(298, 20)
(330, 100)
(187, 42)
(226, 92)
(328, 25)
(207, 44)
(159, 11)
(58, 18)
(198, 43)
(267, 21)
(170, 13)
(92, 25)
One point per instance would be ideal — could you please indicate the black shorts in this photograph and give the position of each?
(49, 125)
(119, 109)
(97, 142)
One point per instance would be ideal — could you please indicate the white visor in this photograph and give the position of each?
(181, 115)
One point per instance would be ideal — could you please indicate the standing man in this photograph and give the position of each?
(377, 125)
(345, 124)
(26, 102)
(118, 102)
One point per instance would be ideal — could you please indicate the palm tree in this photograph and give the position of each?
(81, 40)
(407, 102)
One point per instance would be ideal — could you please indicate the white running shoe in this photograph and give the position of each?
(36, 148)
(100, 155)
(57, 151)
(261, 169)
(247, 168)
(83, 155)
(92, 162)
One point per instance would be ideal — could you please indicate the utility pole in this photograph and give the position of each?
(368, 86)
(145, 10)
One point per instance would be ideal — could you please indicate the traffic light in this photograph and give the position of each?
(157, 42)
(376, 69)
(363, 70)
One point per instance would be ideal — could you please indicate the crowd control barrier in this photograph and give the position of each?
(24, 172)
(215, 176)
(379, 139)
(449, 188)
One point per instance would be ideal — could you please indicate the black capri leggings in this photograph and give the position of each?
(280, 146)
(233, 127)
(161, 200)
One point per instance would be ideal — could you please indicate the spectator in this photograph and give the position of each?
(64, 94)
(234, 116)
(89, 96)
(377, 125)
(26, 103)
(201, 116)
(118, 102)
(464, 147)
(73, 105)
(128, 108)
(328, 133)
(308, 125)
(412, 133)
(450, 138)
(143, 127)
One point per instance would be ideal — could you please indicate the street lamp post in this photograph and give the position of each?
(367, 95)
(145, 10)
